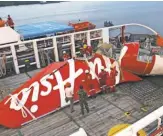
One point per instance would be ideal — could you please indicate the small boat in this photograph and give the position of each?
(107, 24)
(81, 26)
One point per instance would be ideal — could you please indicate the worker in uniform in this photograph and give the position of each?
(84, 49)
(2, 22)
(83, 100)
(88, 84)
(10, 22)
(65, 56)
(87, 50)
(69, 96)
(102, 79)
(112, 78)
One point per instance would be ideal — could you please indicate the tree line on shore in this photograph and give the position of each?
(16, 3)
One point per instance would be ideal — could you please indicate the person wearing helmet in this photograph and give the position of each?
(87, 50)
(69, 94)
(112, 78)
(102, 79)
(85, 46)
(88, 83)
(65, 56)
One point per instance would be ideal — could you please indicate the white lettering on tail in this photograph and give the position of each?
(59, 85)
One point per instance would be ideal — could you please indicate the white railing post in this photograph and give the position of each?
(159, 123)
(36, 54)
(105, 35)
(55, 49)
(109, 35)
(15, 59)
(88, 38)
(73, 53)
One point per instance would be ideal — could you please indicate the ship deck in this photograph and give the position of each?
(106, 110)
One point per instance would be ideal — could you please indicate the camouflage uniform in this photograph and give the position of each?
(83, 100)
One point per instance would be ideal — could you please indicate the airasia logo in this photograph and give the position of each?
(35, 88)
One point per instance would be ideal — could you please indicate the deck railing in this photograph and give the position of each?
(66, 40)
(53, 43)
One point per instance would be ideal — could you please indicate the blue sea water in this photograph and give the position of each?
(148, 13)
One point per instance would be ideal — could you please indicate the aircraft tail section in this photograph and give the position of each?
(129, 77)
(45, 92)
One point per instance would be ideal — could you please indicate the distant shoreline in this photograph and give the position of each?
(19, 3)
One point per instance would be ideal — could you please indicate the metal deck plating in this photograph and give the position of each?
(106, 110)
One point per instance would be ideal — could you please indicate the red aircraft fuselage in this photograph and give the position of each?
(131, 61)
(44, 93)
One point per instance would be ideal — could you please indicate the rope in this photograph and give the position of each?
(23, 109)
(17, 101)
